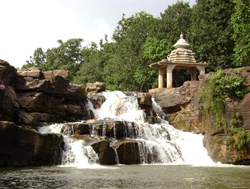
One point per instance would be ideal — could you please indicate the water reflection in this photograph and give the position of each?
(137, 176)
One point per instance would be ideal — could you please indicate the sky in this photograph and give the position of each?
(28, 24)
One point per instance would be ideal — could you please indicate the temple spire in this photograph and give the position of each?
(181, 43)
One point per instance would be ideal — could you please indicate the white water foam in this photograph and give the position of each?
(158, 143)
(162, 142)
(76, 153)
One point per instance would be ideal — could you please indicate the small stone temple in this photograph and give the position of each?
(180, 58)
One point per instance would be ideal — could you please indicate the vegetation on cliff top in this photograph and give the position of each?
(219, 86)
(217, 30)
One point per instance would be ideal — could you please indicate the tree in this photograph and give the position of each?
(211, 32)
(67, 56)
(241, 25)
(155, 49)
(176, 19)
(92, 69)
(37, 60)
(130, 36)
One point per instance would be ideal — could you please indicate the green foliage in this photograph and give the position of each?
(211, 32)
(241, 25)
(238, 137)
(176, 19)
(155, 49)
(92, 69)
(237, 120)
(130, 36)
(37, 60)
(219, 86)
(67, 56)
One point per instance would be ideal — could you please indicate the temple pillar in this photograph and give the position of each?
(193, 74)
(169, 71)
(160, 77)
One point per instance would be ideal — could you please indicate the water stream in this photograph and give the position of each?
(158, 143)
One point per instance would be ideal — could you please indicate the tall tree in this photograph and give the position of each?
(38, 59)
(241, 25)
(130, 36)
(176, 19)
(211, 32)
(66, 56)
(92, 68)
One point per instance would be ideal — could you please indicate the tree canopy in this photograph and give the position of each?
(217, 30)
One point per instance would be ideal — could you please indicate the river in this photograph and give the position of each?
(127, 176)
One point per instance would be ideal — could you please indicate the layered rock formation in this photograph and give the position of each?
(185, 111)
(31, 98)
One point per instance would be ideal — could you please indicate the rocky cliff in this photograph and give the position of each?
(185, 110)
(31, 98)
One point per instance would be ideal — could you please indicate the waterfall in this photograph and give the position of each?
(76, 153)
(157, 143)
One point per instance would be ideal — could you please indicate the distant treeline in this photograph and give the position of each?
(217, 30)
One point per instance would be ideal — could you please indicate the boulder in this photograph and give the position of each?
(96, 87)
(106, 154)
(31, 73)
(144, 99)
(7, 73)
(128, 152)
(37, 118)
(50, 75)
(107, 128)
(34, 101)
(172, 99)
(21, 146)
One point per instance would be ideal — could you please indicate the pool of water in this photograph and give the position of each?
(129, 176)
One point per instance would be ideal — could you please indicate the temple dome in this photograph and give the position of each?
(182, 54)
(181, 43)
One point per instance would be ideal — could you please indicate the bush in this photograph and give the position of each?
(220, 86)
(238, 137)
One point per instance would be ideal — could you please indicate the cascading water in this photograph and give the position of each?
(158, 143)
(76, 153)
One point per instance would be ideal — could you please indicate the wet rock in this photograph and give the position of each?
(21, 146)
(96, 99)
(128, 152)
(107, 128)
(144, 99)
(105, 153)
